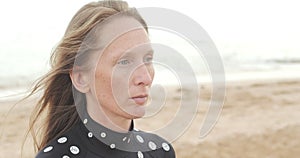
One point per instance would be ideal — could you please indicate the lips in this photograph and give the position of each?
(140, 99)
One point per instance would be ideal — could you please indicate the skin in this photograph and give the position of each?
(117, 89)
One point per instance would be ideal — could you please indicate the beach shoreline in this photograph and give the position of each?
(259, 118)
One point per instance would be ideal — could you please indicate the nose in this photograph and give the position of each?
(143, 75)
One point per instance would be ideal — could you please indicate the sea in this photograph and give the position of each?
(25, 57)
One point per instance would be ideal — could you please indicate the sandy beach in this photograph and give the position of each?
(258, 119)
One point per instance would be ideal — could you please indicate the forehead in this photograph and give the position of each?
(135, 39)
(123, 35)
(117, 27)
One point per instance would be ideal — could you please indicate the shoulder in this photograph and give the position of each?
(60, 149)
(65, 146)
(154, 144)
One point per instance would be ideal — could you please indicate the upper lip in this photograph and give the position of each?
(140, 96)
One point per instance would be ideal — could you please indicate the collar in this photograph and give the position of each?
(126, 141)
(132, 141)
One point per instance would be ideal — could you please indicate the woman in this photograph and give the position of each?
(99, 83)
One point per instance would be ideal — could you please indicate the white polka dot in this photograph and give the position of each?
(140, 139)
(47, 149)
(103, 135)
(112, 146)
(62, 140)
(128, 140)
(165, 146)
(74, 150)
(65, 156)
(90, 134)
(140, 154)
(124, 139)
(85, 121)
(152, 145)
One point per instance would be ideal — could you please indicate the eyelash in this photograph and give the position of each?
(123, 62)
(148, 60)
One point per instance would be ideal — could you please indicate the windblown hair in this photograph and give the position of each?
(56, 109)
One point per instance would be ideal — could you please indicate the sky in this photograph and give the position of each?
(244, 26)
(258, 22)
(241, 29)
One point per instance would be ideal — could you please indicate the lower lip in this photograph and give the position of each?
(140, 101)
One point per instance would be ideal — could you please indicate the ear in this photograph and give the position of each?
(80, 80)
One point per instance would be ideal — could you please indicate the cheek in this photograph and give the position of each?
(151, 71)
(120, 84)
(102, 83)
(111, 86)
(121, 77)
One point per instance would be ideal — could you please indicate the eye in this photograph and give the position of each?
(123, 62)
(148, 59)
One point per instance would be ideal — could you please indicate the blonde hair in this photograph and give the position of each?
(57, 100)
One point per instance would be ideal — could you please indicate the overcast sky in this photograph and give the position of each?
(269, 22)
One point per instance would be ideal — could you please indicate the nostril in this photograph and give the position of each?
(143, 75)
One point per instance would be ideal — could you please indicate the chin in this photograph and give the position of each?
(137, 113)
(137, 116)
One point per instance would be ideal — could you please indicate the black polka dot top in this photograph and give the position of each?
(89, 139)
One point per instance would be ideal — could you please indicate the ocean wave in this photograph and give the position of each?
(284, 61)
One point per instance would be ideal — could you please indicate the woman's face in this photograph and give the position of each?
(124, 72)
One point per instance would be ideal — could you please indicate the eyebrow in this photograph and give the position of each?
(128, 53)
(150, 50)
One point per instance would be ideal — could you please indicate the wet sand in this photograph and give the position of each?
(258, 119)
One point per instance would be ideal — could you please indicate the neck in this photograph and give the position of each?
(108, 119)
